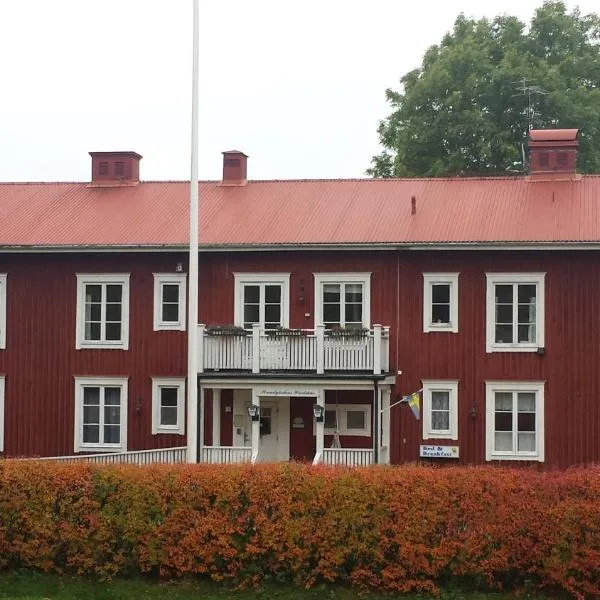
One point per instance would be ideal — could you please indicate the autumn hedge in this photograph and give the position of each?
(396, 529)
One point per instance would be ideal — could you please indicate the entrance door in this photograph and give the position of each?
(274, 432)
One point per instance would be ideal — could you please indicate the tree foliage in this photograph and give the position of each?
(461, 112)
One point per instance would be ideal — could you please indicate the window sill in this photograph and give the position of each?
(440, 328)
(99, 449)
(170, 327)
(172, 431)
(531, 457)
(512, 348)
(440, 435)
(101, 346)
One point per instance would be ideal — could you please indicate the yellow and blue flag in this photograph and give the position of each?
(414, 401)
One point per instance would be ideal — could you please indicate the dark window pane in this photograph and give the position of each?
(503, 421)
(168, 396)
(526, 421)
(92, 331)
(93, 293)
(114, 293)
(331, 313)
(113, 312)
(353, 292)
(251, 313)
(168, 415)
(170, 292)
(440, 313)
(527, 333)
(251, 294)
(504, 313)
(330, 419)
(113, 332)
(273, 294)
(504, 294)
(91, 415)
(91, 396)
(112, 415)
(526, 313)
(170, 313)
(504, 334)
(527, 293)
(112, 396)
(112, 434)
(331, 293)
(440, 400)
(440, 293)
(273, 313)
(353, 313)
(355, 419)
(91, 434)
(93, 312)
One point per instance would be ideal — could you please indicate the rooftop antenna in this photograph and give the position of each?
(531, 91)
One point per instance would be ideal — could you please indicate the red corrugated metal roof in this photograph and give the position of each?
(505, 209)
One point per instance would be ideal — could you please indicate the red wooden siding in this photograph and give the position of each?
(40, 360)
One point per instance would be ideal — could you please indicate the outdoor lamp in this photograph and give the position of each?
(319, 412)
(254, 412)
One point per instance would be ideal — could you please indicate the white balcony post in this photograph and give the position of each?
(201, 329)
(377, 349)
(320, 433)
(256, 348)
(385, 349)
(320, 334)
(384, 455)
(255, 428)
(216, 417)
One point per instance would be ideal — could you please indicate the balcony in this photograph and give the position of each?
(310, 351)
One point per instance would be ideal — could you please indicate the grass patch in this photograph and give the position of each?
(31, 585)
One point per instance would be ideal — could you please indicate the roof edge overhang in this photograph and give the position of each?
(375, 246)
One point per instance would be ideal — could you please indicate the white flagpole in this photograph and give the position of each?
(404, 399)
(192, 378)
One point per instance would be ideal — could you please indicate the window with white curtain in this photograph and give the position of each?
(440, 409)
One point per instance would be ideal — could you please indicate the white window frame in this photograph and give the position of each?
(341, 411)
(537, 279)
(105, 278)
(171, 382)
(241, 279)
(178, 279)
(80, 383)
(447, 385)
(429, 280)
(2, 404)
(3, 323)
(491, 387)
(323, 278)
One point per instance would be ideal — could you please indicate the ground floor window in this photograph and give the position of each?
(100, 414)
(348, 419)
(168, 398)
(514, 420)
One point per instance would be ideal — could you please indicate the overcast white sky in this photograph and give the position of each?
(298, 86)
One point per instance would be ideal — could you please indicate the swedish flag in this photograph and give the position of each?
(414, 401)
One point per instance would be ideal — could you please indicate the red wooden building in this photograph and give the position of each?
(337, 297)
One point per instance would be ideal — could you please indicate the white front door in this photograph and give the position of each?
(274, 430)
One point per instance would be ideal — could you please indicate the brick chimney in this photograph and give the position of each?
(235, 168)
(553, 152)
(111, 169)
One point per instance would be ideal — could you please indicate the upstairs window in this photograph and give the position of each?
(169, 302)
(263, 299)
(440, 302)
(2, 311)
(103, 311)
(515, 312)
(343, 300)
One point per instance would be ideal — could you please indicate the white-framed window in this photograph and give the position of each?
(348, 419)
(262, 298)
(514, 420)
(440, 302)
(2, 391)
(168, 401)
(100, 414)
(169, 301)
(2, 311)
(103, 311)
(343, 299)
(515, 312)
(440, 409)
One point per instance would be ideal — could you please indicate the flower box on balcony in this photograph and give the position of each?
(354, 333)
(280, 332)
(226, 330)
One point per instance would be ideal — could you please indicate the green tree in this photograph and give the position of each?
(461, 112)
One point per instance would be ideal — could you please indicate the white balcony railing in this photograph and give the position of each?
(225, 455)
(350, 457)
(313, 351)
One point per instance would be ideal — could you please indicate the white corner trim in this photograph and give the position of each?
(440, 385)
(178, 279)
(430, 279)
(241, 279)
(94, 381)
(537, 279)
(2, 405)
(3, 318)
(157, 384)
(514, 386)
(108, 278)
(323, 278)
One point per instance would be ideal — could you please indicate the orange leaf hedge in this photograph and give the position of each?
(392, 529)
